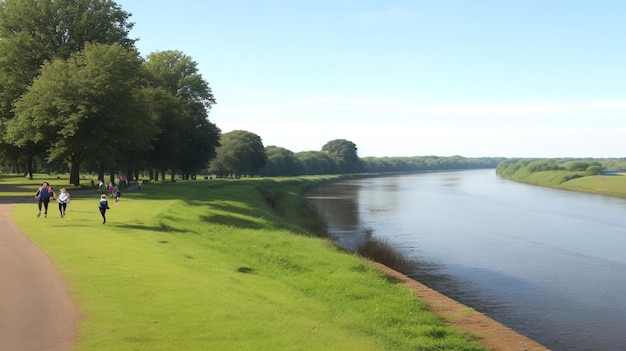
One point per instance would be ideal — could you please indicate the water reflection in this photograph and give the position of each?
(338, 203)
(547, 263)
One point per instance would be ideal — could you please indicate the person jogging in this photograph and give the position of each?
(64, 199)
(103, 206)
(44, 194)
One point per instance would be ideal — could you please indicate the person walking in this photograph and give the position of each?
(64, 199)
(43, 194)
(116, 191)
(103, 206)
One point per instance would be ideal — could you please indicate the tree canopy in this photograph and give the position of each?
(186, 140)
(344, 152)
(241, 154)
(73, 88)
(75, 91)
(83, 107)
(33, 32)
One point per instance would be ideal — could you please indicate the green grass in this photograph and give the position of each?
(217, 265)
(612, 185)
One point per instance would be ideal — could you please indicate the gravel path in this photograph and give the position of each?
(36, 308)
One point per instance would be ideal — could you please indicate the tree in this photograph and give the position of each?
(84, 107)
(187, 139)
(594, 170)
(281, 162)
(344, 153)
(317, 162)
(241, 153)
(33, 32)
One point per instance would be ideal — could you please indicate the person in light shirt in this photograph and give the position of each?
(63, 199)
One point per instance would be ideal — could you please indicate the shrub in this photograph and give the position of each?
(593, 170)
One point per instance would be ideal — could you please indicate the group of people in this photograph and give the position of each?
(113, 190)
(45, 193)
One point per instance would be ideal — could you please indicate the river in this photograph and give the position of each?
(550, 264)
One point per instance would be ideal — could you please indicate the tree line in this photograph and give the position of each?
(241, 153)
(76, 96)
(516, 168)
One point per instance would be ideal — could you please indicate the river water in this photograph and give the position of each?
(550, 264)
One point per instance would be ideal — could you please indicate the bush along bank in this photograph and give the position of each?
(598, 176)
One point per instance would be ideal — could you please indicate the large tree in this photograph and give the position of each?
(344, 153)
(281, 162)
(187, 139)
(241, 153)
(35, 31)
(317, 162)
(84, 108)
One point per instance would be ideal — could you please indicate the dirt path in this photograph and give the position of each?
(37, 312)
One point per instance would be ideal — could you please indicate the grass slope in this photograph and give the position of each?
(612, 185)
(215, 265)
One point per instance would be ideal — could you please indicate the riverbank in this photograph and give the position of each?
(565, 175)
(240, 226)
(492, 334)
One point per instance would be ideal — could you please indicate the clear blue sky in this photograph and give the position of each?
(473, 78)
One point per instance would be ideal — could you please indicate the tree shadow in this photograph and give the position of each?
(162, 227)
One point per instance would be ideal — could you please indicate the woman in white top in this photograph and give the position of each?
(64, 199)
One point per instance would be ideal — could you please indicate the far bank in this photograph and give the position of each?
(595, 176)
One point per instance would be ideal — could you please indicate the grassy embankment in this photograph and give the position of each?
(217, 265)
(564, 174)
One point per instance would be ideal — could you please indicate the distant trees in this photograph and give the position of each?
(281, 162)
(317, 162)
(426, 163)
(344, 153)
(552, 171)
(241, 153)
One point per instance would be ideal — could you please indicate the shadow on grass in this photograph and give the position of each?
(162, 227)
(233, 221)
(231, 203)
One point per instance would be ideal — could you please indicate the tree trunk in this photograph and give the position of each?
(74, 172)
(29, 167)
(101, 171)
(112, 177)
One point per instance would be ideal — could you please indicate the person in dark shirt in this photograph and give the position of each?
(44, 194)
(103, 207)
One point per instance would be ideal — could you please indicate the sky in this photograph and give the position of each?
(475, 78)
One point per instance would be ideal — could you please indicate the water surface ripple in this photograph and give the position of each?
(548, 263)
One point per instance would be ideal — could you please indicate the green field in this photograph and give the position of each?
(222, 265)
(558, 174)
